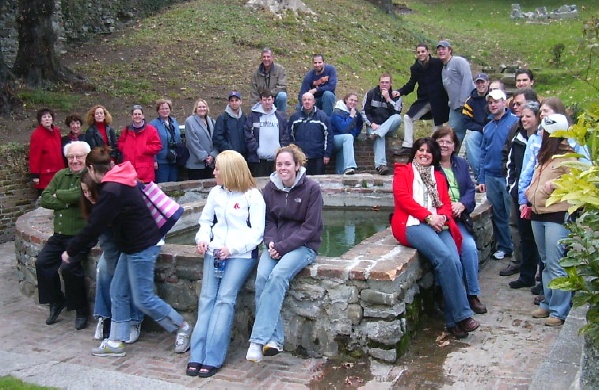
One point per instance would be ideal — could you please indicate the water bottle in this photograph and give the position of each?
(219, 265)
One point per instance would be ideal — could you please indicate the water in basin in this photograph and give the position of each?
(343, 229)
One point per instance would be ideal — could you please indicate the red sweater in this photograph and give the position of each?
(140, 147)
(405, 205)
(45, 155)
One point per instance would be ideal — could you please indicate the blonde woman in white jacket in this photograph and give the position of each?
(231, 226)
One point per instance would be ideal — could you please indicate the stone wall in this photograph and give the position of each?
(77, 20)
(17, 195)
(367, 301)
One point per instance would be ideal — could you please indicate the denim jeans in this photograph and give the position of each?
(387, 129)
(441, 251)
(469, 258)
(502, 207)
(166, 172)
(472, 144)
(134, 275)
(408, 125)
(272, 282)
(104, 274)
(344, 149)
(216, 308)
(326, 102)
(457, 123)
(547, 235)
(281, 101)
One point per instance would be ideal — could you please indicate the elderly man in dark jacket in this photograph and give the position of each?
(310, 129)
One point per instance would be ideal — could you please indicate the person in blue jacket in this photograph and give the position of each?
(347, 124)
(320, 82)
(170, 135)
(310, 129)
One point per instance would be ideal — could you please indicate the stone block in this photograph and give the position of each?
(385, 312)
(384, 332)
(378, 298)
(355, 313)
(387, 355)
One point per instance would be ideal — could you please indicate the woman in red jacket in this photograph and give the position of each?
(139, 142)
(45, 150)
(423, 220)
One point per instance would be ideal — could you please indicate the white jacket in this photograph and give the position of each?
(231, 230)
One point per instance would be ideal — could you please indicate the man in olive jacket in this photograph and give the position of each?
(272, 77)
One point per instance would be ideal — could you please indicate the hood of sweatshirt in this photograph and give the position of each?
(340, 105)
(123, 174)
(229, 111)
(258, 108)
(274, 177)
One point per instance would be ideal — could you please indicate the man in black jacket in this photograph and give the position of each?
(431, 100)
(229, 133)
(382, 116)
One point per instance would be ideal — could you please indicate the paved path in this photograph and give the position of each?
(504, 353)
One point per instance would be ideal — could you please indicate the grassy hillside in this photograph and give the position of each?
(205, 48)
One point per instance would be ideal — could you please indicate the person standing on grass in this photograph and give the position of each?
(229, 132)
(170, 135)
(99, 132)
(45, 152)
(199, 130)
(457, 80)
(292, 237)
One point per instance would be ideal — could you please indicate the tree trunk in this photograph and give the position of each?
(8, 100)
(37, 62)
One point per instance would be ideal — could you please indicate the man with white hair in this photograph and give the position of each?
(63, 195)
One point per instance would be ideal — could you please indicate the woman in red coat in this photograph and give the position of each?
(139, 142)
(423, 220)
(45, 150)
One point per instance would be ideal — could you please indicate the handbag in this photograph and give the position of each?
(165, 211)
(177, 152)
(182, 154)
(466, 220)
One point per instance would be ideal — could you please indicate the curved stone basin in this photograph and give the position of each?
(365, 301)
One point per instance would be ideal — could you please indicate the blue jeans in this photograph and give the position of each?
(344, 149)
(166, 172)
(469, 258)
(326, 102)
(272, 282)
(441, 251)
(457, 123)
(387, 129)
(502, 206)
(472, 143)
(216, 308)
(104, 274)
(281, 101)
(547, 236)
(135, 273)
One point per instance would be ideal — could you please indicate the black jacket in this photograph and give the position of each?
(229, 133)
(94, 139)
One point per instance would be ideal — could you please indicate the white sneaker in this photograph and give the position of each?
(254, 353)
(182, 340)
(105, 349)
(271, 348)
(99, 333)
(134, 333)
(499, 255)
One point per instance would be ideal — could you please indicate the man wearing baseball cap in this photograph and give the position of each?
(229, 131)
(491, 176)
(457, 80)
(476, 116)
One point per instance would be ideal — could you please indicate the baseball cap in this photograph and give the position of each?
(444, 43)
(554, 122)
(234, 94)
(497, 94)
(482, 76)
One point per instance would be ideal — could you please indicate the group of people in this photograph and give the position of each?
(97, 197)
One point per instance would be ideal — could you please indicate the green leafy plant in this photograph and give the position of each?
(580, 188)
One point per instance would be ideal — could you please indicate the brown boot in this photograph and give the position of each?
(476, 305)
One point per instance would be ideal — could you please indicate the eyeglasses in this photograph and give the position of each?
(76, 156)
